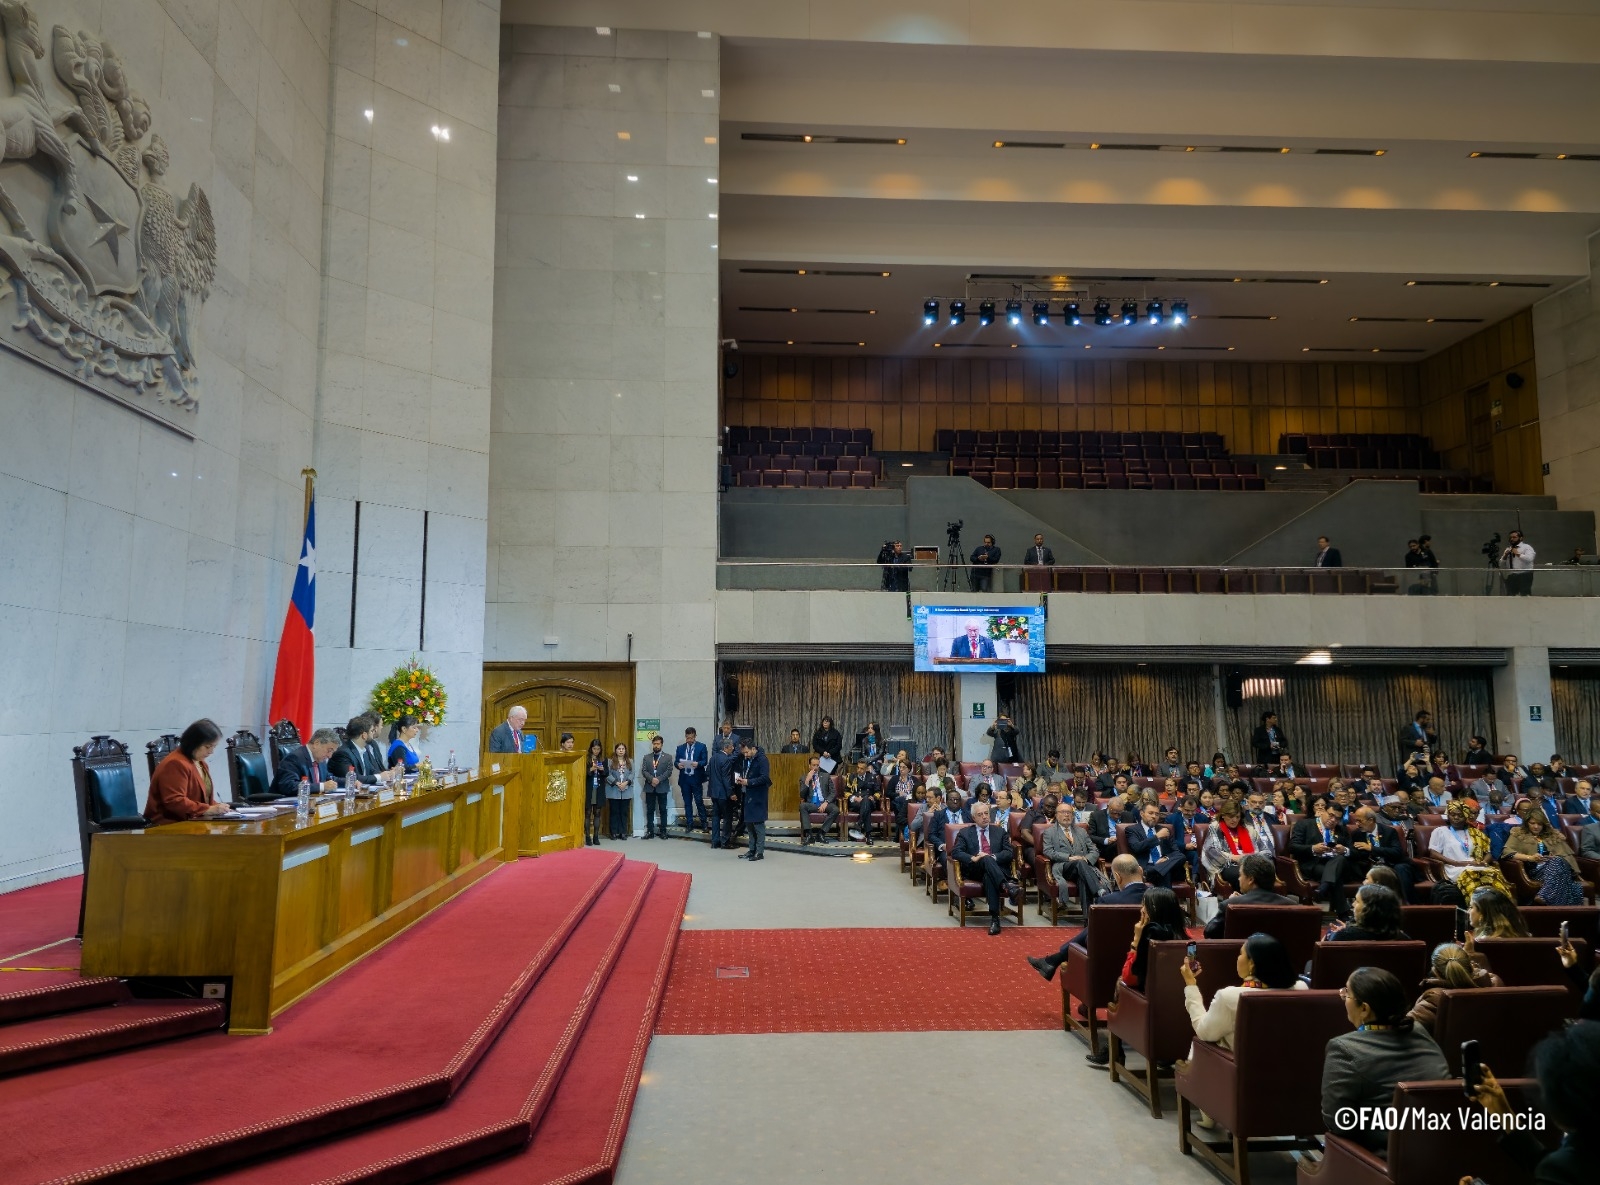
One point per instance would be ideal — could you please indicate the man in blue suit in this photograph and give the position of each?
(972, 644)
(689, 759)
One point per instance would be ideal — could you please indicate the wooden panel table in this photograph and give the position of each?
(280, 906)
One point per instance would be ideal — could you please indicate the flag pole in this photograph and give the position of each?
(311, 479)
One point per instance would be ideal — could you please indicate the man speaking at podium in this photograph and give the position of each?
(972, 645)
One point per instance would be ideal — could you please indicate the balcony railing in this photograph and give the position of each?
(1554, 581)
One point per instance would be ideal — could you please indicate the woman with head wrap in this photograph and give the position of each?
(1546, 857)
(1468, 863)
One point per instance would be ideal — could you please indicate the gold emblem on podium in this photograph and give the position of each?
(555, 786)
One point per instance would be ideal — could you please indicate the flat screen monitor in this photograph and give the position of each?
(959, 638)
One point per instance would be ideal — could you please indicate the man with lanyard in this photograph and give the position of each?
(1551, 808)
(816, 789)
(1437, 796)
(1260, 825)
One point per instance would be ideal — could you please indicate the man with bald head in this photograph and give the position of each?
(1372, 841)
(509, 735)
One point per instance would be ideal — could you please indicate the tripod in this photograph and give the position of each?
(950, 577)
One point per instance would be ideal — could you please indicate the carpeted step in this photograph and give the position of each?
(44, 993)
(397, 1032)
(95, 1032)
(579, 1137)
(496, 1109)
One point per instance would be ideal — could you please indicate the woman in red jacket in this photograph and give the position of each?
(181, 786)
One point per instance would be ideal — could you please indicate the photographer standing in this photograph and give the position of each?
(983, 558)
(1419, 554)
(896, 566)
(1517, 559)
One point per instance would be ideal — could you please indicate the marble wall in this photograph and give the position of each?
(145, 575)
(602, 517)
(1566, 339)
(402, 418)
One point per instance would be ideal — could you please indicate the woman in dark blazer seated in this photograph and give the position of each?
(181, 786)
(1377, 918)
(401, 734)
(594, 791)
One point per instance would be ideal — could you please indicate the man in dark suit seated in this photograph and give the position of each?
(1130, 890)
(1155, 847)
(1372, 842)
(1581, 800)
(1257, 886)
(308, 761)
(983, 853)
(954, 813)
(351, 757)
(972, 644)
(376, 759)
(817, 796)
(510, 734)
(1321, 847)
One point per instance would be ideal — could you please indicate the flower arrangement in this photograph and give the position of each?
(412, 690)
(1008, 629)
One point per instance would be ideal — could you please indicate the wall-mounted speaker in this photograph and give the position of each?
(1235, 689)
(730, 694)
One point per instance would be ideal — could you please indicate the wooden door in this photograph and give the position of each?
(588, 701)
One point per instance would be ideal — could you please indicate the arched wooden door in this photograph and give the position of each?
(587, 702)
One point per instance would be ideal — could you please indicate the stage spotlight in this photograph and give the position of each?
(1152, 312)
(1074, 317)
(1041, 312)
(986, 313)
(1014, 312)
(958, 312)
(1102, 312)
(930, 312)
(1130, 312)
(1180, 312)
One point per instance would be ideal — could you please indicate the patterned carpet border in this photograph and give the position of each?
(860, 981)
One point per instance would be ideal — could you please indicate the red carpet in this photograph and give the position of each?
(39, 914)
(860, 981)
(95, 1032)
(397, 1032)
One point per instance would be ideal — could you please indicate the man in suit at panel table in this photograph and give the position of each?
(376, 760)
(509, 736)
(972, 644)
(352, 757)
(1321, 847)
(1154, 845)
(983, 852)
(1258, 881)
(308, 761)
(1130, 890)
(690, 759)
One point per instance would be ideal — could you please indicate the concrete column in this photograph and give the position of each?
(1521, 692)
(975, 693)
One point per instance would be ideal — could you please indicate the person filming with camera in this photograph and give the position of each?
(896, 566)
(1517, 559)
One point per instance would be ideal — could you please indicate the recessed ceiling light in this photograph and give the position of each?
(614, 88)
(624, 135)
(711, 139)
(711, 180)
(633, 176)
(368, 114)
(708, 94)
(401, 42)
(710, 215)
(603, 30)
(704, 35)
(638, 215)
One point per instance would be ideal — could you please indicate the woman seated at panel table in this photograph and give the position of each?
(181, 786)
(401, 751)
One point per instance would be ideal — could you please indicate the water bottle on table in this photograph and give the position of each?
(302, 805)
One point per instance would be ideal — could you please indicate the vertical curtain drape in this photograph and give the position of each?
(1575, 702)
(777, 696)
(1116, 709)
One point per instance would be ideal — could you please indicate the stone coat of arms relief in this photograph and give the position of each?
(102, 269)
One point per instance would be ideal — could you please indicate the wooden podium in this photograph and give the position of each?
(544, 806)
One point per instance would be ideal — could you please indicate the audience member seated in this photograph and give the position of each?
(1546, 857)
(181, 787)
(1382, 874)
(1494, 914)
(1160, 920)
(817, 796)
(1377, 918)
(1072, 856)
(863, 796)
(1228, 841)
(1581, 801)
(1589, 840)
(1154, 845)
(1263, 965)
(1464, 850)
(309, 761)
(1257, 882)
(1321, 847)
(1130, 890)
(983, 853)
(1453, 968)
(1567, 1066)
(401, 734)
(1374, 844)
(954, 813)
(1360, 1069)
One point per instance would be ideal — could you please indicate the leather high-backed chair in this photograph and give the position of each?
(1154, 1022)
(283, 738)
(1506, 1022)
(248, 776)
(1531, 962)
(1298, 927)
(1274, 1033)
(1429, 924)
(1332, 962)
(1418, 1154)
(1090, 976)
(102, 775)
(1544, 921)
(158, 749)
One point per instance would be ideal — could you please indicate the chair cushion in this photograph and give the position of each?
(253, 779)
(109, 792)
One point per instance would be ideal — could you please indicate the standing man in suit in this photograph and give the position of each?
(1268, 740)
(1327, 555)
(972, 644)
(655, 778)
(1154, 846)
(753, 776)
(1130, 890)
(1039, 553)
(308, 761)
(351, 757)
(1418, 739)
(1004, 731)
(983, 559)
(508, 735)
(723, 805)
(690, 760)
(984, 853)
(1321, 847)
(1258, 882)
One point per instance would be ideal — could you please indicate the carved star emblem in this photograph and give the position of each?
(108, 228)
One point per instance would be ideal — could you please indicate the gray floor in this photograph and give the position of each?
(876, 1107)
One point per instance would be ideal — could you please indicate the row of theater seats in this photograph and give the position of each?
(803, 448)
(999, 480)
(1246, 581)
(1455, 485)
(1036, 443)
(816, 473)
(1361, 450)
(737, 434)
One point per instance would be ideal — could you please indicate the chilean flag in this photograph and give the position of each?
(297, 657)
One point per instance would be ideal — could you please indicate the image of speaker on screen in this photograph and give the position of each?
(959, 637)
(974, 641)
